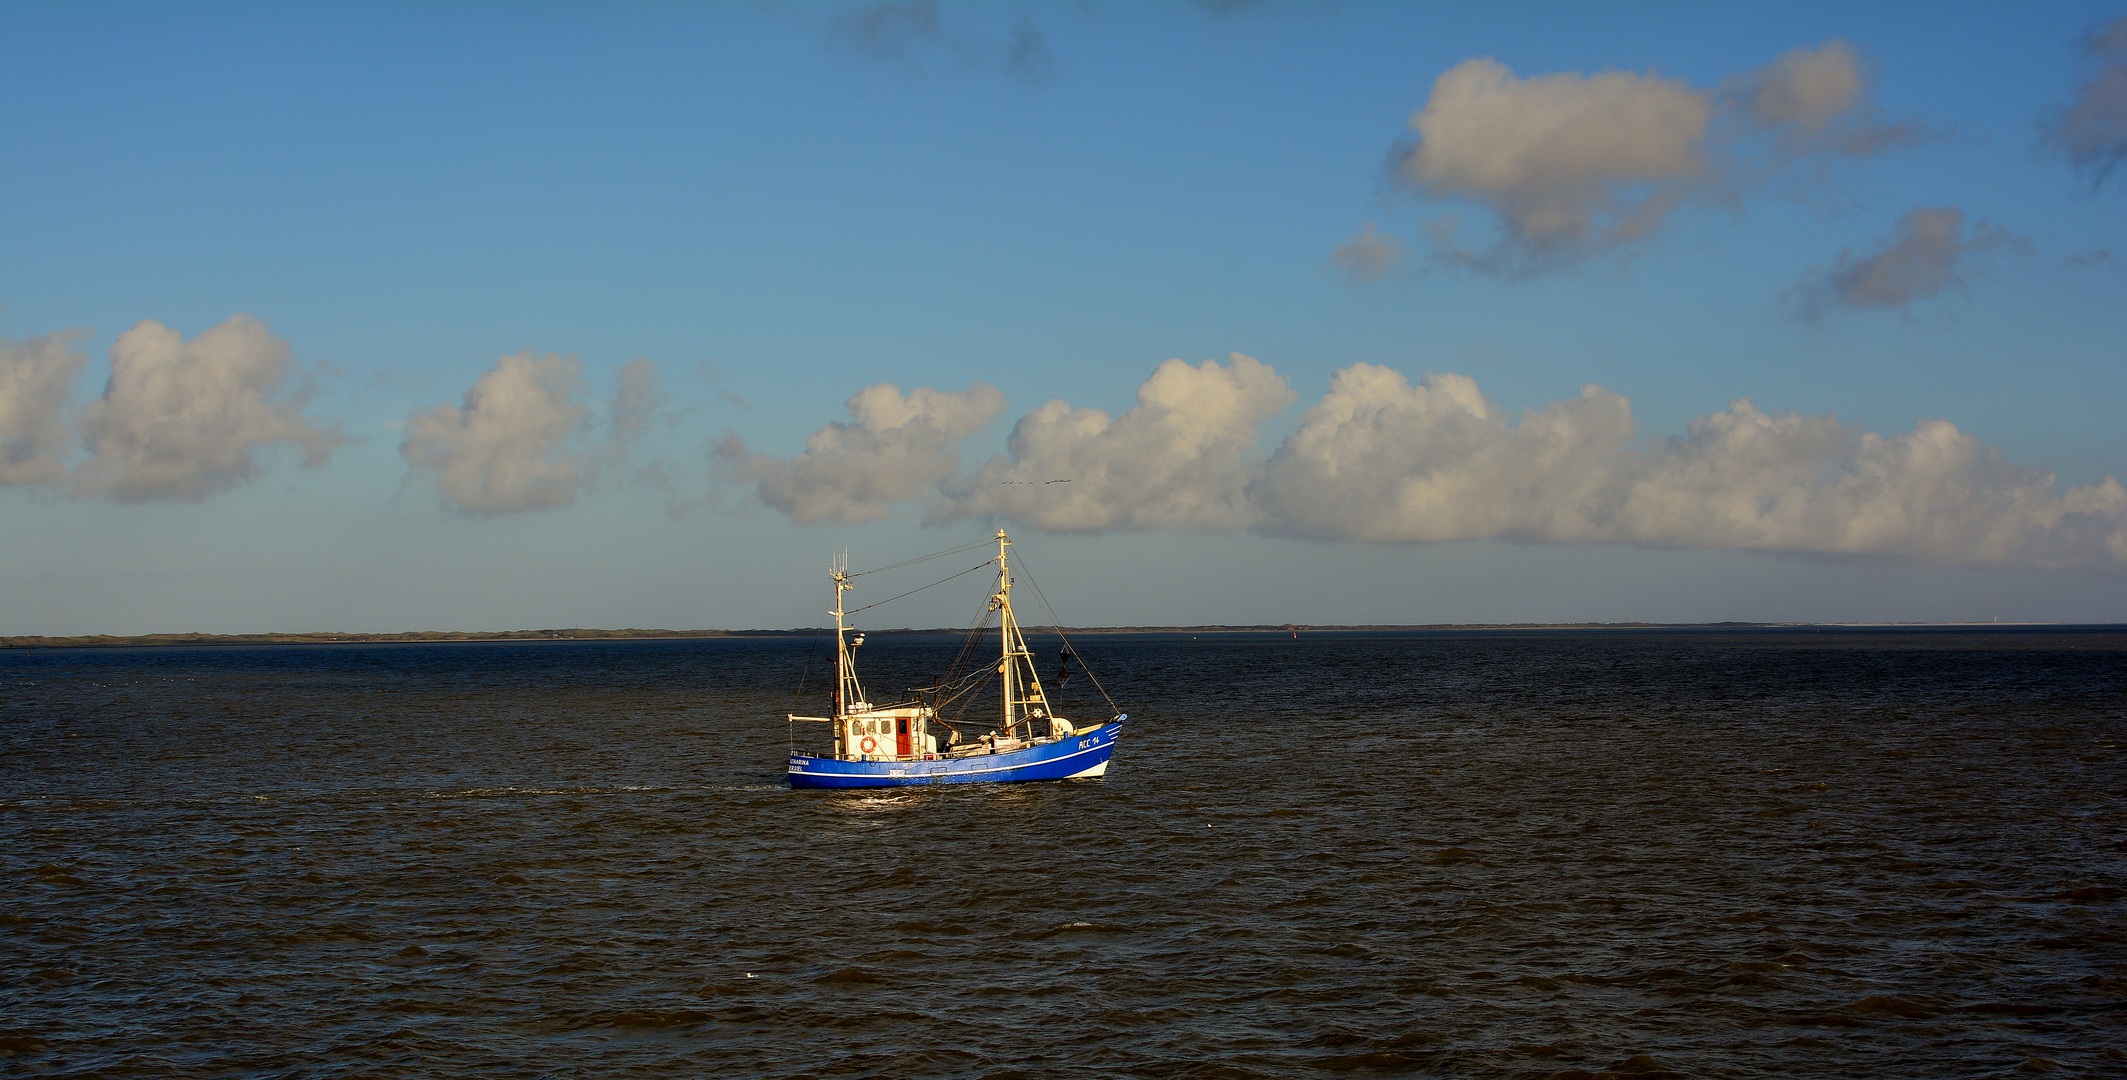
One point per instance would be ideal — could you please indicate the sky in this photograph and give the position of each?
(375, 317)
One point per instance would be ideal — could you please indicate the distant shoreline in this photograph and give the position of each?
(429, 637)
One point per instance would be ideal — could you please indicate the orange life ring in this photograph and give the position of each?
(870, 744)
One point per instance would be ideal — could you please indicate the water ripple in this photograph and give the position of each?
(1636, 854)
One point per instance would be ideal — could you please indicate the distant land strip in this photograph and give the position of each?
(581, 634)
(333, 638)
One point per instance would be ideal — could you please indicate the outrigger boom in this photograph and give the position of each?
(896, 745)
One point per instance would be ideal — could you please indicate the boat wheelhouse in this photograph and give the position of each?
(912, 743)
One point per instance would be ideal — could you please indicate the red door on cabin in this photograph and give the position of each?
(901, 736)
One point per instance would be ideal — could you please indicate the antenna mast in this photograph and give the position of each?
(846, 689)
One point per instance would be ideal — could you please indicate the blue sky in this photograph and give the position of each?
(423, 244)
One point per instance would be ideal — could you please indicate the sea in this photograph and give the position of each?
(1693, 852)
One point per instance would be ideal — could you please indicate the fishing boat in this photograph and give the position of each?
(918, 742)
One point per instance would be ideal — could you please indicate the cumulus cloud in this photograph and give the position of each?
(1368, 256)
(1380, 460)
(510, 445)
(1745, 479)
(2090, 132)
(897, 450)
(1573, 166)
(35, 378)
(1181, 458)
(188, 419)
(1570, 163)
(1927, 253)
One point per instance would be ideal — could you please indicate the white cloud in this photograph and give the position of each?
(1181, 458)
(506, 448)
(1744, 479)
(35, 378)
(1928, 253)
(1379, 460)
(187, 419)
(1570, 163)
(897, 451)
(1574, 166)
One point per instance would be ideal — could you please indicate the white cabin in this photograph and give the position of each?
(897, 734)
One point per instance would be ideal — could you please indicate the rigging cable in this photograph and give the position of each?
(914, 591)
(925, 558)
(960, 684)
(952, 677)
(1057, 625)
(790, 732)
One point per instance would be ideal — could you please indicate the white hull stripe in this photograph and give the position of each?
(911, 768)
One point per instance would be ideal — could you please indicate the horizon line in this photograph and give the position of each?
(331, 637)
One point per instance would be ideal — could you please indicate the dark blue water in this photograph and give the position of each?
(1687, 853)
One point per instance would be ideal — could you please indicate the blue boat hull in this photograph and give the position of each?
(1084, 754)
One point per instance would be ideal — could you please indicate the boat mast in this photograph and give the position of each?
(1007, 665)
(846, 688)
(1021, 689)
